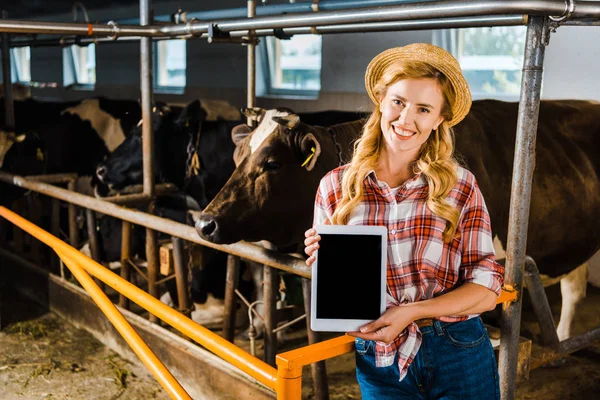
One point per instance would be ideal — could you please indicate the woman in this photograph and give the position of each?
(430, 343)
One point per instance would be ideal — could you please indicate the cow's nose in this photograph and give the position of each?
(207, 227)
(101, 172)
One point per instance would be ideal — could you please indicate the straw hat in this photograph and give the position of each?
(435, 56)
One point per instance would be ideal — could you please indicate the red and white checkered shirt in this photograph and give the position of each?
(420, 265)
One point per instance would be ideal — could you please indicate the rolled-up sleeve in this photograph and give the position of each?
(478, 262)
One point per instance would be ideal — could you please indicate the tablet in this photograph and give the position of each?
(348, 277)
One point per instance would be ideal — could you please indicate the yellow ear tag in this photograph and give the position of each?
(312, 154)
(39, 154)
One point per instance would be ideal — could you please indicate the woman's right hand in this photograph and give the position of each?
(311, 244)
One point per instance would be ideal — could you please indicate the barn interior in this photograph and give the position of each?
(305, 73)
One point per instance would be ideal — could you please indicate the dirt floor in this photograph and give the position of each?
(43, 357)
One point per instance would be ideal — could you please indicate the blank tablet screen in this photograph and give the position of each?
(349, 277)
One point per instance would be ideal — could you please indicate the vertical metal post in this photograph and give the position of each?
(73, 231)
(125, 257)
(181, 275)
(523, 167)
(55, 229)
(271, 283)
(147, 146)
(318, 370)
(9, 109)
(90, 219)
(231, 284)
(251, 98)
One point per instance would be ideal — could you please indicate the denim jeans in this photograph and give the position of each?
(455, 361)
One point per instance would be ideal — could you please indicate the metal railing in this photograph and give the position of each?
(286, 381)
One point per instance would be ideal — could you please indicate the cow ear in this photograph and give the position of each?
(289, 121)
(20, 138)
(254, 113)
(239, 133)
(311, 150)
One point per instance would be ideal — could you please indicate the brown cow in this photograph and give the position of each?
(270, 195)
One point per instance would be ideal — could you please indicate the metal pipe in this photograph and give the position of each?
(55, 230)
(133, 339)
(231, 284)
(539, 300)
(146, 100)
(181, 274)
(256, 368)
(129, 199)
(54, 178)
(279, 9)
(251, 65)
(9, 107)
(318, 369)
(172, 228)
(73, 231)
(148, 146)
(270, 285)
(125, 256)
(449, 23)
(403, 12)
(90, 218)
(78, 29)
(520, 197)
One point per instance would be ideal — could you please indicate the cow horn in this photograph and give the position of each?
(289, 121)
(254, 113)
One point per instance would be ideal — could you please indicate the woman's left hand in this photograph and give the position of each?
(387, 327)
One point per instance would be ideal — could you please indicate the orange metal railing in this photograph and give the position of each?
(286, 380)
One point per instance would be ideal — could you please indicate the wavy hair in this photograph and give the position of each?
(435, 161)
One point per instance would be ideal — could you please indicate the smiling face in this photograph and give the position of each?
(410, 111)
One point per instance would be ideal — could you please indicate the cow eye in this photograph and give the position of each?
(271, 165)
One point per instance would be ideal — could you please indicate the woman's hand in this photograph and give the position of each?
(387, 327)
(311, 244)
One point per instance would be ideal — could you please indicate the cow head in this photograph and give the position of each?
(7, 139)
(271, 193)
(124, 166)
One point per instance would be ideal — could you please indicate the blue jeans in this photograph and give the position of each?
(455, 361)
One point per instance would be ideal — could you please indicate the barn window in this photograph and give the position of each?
(170, 65)
(79, 66)
(491, 58)
(21, 64)
(292, 67)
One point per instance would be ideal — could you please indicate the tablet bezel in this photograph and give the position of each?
(346, 325)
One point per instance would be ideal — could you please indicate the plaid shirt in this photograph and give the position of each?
(420, 265)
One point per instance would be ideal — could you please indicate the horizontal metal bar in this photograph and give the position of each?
(430, 10)
(241, 249)
(449, 23)
(78, 29)
(403, 12)
(53, 178)
(278, 9)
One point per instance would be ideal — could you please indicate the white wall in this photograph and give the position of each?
(572, 63)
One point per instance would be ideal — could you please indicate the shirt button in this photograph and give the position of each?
(393, 232)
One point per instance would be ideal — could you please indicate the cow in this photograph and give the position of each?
(196, 127)
(271, 193)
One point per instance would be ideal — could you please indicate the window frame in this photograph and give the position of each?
(271, 91)
(70, 59)
(14, 66)
(452, 41)
(166, 89)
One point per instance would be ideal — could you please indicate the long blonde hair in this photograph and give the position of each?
(435, 160)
